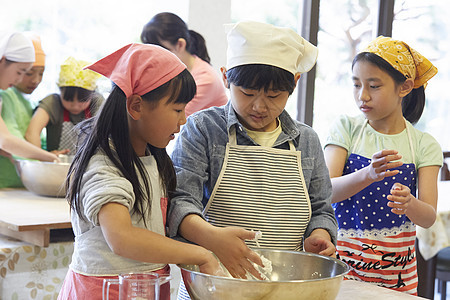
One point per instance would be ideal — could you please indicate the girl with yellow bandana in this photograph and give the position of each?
(59, 113)
(377, 160)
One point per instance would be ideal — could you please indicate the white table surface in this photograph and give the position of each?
(355, 290)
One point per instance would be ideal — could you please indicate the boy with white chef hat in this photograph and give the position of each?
(248, 165)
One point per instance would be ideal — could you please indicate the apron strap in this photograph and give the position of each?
(411, 145)
(66, 115)
(232, 135)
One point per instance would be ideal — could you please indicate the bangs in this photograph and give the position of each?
(259, 76)
(150, 36)
(68, 93)
(181, 89)
(184, 88)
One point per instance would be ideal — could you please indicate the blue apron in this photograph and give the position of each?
(376, 243)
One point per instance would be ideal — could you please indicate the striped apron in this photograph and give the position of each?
(376, 243)
(261, 188)
(68, 139)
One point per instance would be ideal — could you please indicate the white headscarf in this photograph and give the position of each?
(16, 47)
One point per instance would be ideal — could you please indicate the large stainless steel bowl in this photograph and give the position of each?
(296, 275)
(44, 178)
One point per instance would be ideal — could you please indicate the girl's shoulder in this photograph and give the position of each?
(427, 148)
(53, 106)
(350, 123)
(51, 101)
(101, 163)
(344, 129)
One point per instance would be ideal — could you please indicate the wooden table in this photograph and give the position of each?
(29, 217)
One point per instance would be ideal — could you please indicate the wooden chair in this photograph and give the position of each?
(443, 271)
(427, 270)
(443, 256)
(445, 172)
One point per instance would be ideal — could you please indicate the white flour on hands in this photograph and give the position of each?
(265, 271)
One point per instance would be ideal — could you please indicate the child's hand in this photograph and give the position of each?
(211, 265)
(235, 255)
(319, 244)
(59, 152)
(400, 198)
(381, 164)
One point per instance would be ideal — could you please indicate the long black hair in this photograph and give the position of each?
(170, 27)
(108, 131)
(413, 103)
(260, 76)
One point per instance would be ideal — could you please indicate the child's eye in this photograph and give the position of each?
(374, 86)
(356, 85)
(247, 94)
(273, 96)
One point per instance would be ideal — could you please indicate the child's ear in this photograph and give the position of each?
(223, 70)
(180, 46)
(134, 106)
(406, 87)
(296, 77)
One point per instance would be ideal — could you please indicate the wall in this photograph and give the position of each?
(207, 18)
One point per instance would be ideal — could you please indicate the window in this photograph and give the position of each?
(344, 27)
(426, 28)
(84, 29)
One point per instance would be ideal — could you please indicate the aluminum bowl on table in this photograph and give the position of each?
(295, 275)
(44, 178)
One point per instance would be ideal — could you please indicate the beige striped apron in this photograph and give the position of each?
(261, 188)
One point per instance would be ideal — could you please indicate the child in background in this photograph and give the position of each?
(17, 110)
(171, 32)
(120, 180)
(59, 113)
(16, 59)
(239, 165)
(33, 78)
(377, 160)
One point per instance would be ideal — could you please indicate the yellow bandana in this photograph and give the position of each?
(72, 74)
(404, 59)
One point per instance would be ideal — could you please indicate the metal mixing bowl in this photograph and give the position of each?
(44, 178)
(296, 275)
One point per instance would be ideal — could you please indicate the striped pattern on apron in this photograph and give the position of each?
(260, 188)
(68, 139)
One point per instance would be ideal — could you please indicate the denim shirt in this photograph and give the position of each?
(199, 152)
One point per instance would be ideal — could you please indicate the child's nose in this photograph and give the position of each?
(364, 95)
(182, 119)
(259, 105)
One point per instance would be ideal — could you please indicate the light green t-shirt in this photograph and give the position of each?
(345, 131)
(16, 112)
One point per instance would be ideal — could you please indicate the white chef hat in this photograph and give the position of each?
(252, 42)
(16, 47)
